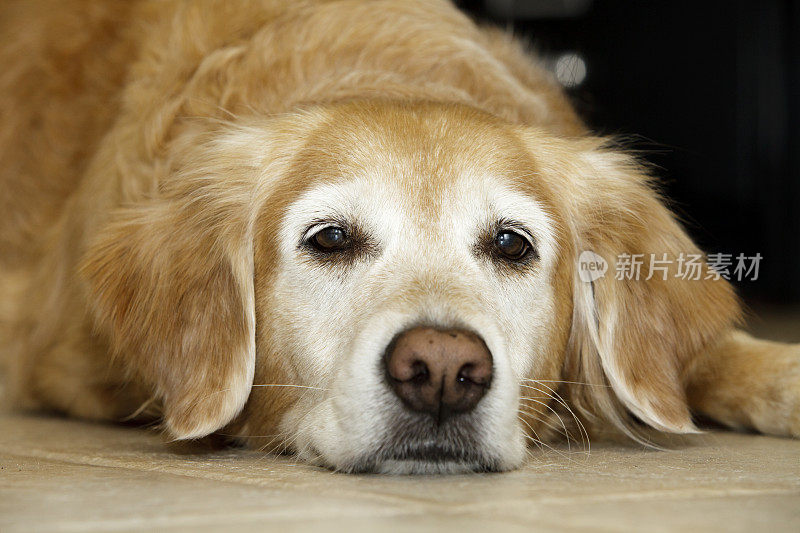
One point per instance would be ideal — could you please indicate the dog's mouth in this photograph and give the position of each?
(431, 452)
(428, 458)
(419, 445)
(434, 457)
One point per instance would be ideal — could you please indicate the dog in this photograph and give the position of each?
(346, 230)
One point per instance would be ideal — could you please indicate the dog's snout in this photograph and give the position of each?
(439, 372)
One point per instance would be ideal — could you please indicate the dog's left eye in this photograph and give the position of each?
(329, 239)
(511, 244)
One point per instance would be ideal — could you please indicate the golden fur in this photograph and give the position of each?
(150, 150)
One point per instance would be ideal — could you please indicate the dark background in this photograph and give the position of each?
(710, 91)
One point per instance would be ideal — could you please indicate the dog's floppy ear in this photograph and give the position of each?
(634, 330)
(170, 281)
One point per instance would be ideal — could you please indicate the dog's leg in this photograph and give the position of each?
(748, 383)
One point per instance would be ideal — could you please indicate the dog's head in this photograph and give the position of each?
(395, 287)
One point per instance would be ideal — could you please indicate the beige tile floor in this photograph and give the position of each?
(64, 475)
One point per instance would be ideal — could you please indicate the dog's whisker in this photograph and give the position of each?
(541, 444)
(552, 394)
(581, 429)
(290, 386)
(246, 436)
(567, 382)
(541, 417)
(564, 403)
(285, 440)
(554, 412)
(287, 444)
(537, 441)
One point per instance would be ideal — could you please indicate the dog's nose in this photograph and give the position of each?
(439, 372)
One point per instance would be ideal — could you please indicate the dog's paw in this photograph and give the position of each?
(775, 404)
(749, 384)
(793, 402)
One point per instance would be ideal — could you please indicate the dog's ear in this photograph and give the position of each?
(170, 281)
(635, 327)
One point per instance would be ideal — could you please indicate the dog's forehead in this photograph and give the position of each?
(425, 158)
(420, 201)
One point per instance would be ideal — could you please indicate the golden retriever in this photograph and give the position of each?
(347, 230)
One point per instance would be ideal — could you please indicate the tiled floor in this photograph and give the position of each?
(63, 475)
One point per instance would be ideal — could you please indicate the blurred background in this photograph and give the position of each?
(710, 91)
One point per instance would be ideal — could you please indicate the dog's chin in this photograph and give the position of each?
(424, 459)
(417, 467)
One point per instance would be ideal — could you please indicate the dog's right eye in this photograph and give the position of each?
(330, 239)
(511, 245)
